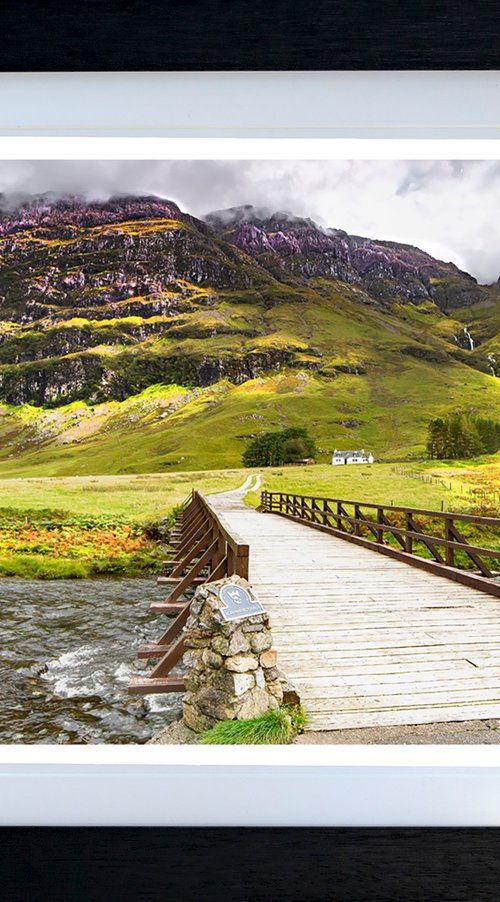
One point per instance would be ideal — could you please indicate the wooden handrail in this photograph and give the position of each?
(444, 515)
(206, 549)
(318, 513)
(238, 549)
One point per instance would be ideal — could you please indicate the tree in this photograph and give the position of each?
(273, 449)
(462, 435)
(436, 438)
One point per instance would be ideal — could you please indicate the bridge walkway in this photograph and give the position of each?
(368, 640)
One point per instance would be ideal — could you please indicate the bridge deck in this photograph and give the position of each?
(367, 640)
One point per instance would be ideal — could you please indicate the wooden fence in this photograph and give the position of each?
(428, 539)
(206, 550)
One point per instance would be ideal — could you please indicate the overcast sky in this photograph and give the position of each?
(449, 208)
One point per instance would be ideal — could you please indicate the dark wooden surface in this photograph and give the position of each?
(250, 865)
(127, 35)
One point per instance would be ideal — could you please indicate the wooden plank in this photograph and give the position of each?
(174, 580)
(151, 650)
(162, 607)
(148, 686)
(438, 566)
(452, 681)
(173, 654)
(404, 717)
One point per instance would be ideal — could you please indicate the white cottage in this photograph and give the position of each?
(352, 457)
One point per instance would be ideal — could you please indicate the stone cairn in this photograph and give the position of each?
(231, 667)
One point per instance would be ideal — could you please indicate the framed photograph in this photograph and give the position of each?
(249, 481)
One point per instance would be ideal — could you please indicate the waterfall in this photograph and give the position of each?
(492, 364)
(469, 338)
(465, 337)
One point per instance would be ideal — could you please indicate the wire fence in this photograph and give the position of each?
(480, 496)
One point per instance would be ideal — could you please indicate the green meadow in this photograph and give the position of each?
(152, 496)
(141, 497)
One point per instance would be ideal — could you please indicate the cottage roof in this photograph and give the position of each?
(349, 453)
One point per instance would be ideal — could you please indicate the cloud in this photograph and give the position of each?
(447, 207)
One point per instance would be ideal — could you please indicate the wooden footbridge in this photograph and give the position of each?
(381, 615)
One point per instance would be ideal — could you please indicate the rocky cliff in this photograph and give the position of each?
(100, 300)
(386, 270)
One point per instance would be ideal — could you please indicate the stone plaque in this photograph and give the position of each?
(238, 603)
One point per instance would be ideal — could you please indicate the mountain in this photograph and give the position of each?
(386, 270)
(129, 321)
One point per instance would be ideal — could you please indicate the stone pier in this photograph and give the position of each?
(231, 665)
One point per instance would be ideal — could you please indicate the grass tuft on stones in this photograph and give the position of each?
(276, 727)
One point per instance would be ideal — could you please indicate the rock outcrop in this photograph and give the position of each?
(387, 270)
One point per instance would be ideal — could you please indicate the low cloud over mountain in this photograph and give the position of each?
(449, 208)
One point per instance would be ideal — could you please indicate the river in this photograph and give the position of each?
(67, 651)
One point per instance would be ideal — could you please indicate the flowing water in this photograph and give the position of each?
(67, 651)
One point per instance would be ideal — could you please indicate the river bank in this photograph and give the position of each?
(56, 544)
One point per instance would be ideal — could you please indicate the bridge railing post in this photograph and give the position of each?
(318, 514)
(325, 512)
(357, 516)
(408, 538)
(449, 536)
(380, 530)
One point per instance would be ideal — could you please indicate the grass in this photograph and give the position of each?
(276, 727)
(180, 427)
(153, 495)
(92, 526)
(34, 566)
(479, 479)
(205, 429)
